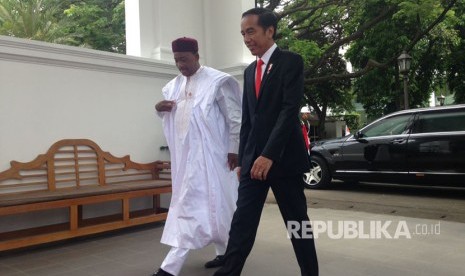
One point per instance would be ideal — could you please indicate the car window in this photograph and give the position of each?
(441, 121)
(394, 125)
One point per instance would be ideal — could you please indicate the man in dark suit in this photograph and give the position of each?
(272, 150)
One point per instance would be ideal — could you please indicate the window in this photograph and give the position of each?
(440, 121)
(390, 126)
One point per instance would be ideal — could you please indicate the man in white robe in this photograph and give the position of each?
(201, 114)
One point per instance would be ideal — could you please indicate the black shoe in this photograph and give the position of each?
(216, 262)
(161, 272)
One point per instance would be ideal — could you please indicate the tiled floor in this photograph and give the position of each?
(138, 252)
(129, 252)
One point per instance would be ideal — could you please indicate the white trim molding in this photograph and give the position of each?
(37, 52)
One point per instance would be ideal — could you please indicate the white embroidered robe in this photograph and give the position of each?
(201, 130)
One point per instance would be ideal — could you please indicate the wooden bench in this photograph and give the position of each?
(77, 178)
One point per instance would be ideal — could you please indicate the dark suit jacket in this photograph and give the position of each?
(270, 124)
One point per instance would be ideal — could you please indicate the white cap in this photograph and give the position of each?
(305, 109)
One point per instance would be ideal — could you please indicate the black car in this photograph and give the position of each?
(415, 146)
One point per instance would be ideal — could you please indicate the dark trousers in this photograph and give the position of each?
(292, 203)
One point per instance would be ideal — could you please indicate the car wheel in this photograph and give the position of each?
(318, 177)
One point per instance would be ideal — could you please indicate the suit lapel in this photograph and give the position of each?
(251, 84)
(269, 69)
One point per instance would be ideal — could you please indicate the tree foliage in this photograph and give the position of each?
(455, 66)
(371, 34)
(424, 29)
(97, 24)
(33, 19)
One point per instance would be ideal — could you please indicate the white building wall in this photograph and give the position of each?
(51, 92)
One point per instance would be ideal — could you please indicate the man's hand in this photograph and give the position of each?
(165, 106)
(232, 160)
(260, 168)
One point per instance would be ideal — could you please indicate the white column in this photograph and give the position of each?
(131, 9)
(141, 35)
(151, 25)
(179, 18)
(246, 55)
(225, 47)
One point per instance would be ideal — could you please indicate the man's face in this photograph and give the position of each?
(187, 62)
(257, 39)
